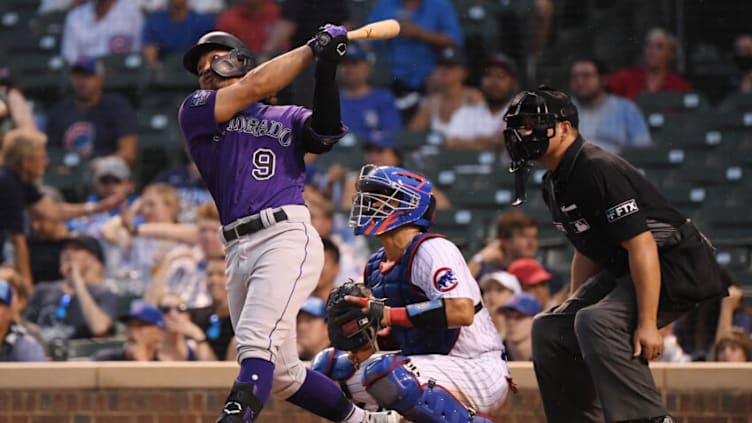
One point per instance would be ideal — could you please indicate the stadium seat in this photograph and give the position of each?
(671, 102)
(737, 102)
(69, 173)
(460, 226)
(83, 349)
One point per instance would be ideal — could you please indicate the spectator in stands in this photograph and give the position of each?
(732, 313)
(173, 30)
(656, 74)
(312, 335)
(516, 237)
(15, 343)
(426, 26)
(47, 240)
(456, 112)
(609, 121)
(191, 189)
(743, 59)
(534, 279)
(144, 331)
(499, 83)
(328, 278)
(111, 174)
(79, 306)
(250, 20)
(182, 340)
(364, 108)
(733, 346)
(145, 255)
(200, 6)
(518, 313)
(14, 109)
(25, 158)
(91, 123)
(102, 27)
(542, 20)
(672, 350)
(215, 320)
(298, 20)
(497, 288)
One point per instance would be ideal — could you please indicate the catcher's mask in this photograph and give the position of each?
(388, 197)
(237, 63)
(534, 114)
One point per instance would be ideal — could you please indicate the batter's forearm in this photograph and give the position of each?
(270, 77)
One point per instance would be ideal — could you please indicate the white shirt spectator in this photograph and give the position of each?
(200, 6)
(468, 122)
(119, 31)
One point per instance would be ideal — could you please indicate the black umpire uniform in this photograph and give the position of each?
(583, 349)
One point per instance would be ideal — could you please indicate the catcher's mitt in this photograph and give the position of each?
(349, 328)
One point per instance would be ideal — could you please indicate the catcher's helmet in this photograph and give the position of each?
(218, 40)
(388, 197)
(538, 111)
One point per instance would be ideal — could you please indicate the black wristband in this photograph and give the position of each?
(428, 314)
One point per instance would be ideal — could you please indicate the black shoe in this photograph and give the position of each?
(242, 405)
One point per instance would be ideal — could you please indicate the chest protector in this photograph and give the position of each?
(395, 285)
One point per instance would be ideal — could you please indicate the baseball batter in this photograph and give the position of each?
(251, 157)
(451, 356)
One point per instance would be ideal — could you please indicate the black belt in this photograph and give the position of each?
(251, 226)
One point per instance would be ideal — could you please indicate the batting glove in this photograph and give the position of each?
(330, 43)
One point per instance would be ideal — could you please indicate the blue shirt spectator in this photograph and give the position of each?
(364, 109)
(609, 121)
(426, 26)
(173, 30)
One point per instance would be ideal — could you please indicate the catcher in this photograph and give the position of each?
(421, 300)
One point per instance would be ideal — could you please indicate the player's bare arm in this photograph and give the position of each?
(261, 82)
(581, 270)
(645, 269)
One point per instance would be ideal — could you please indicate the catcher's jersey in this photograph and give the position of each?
(250, 163)
(436, 270)
(440, 271)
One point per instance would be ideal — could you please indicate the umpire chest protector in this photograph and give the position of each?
(396, 287)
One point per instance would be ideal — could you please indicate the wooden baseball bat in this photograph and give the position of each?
(381, 30)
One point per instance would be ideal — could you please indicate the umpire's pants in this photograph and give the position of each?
(583, 351)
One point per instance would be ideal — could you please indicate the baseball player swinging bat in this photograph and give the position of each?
(381, 30)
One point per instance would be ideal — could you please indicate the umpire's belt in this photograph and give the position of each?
(254, 224)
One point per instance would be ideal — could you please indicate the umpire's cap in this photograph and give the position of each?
(215, 40)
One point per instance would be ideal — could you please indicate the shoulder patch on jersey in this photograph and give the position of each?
(444, 279)
(622, 210)
(199, 98)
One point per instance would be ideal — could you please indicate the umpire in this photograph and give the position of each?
(638, 265)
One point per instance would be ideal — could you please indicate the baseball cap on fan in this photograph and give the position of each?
(88, 66)
(381, 139)
(523, 303)
(505, 279)
(451, 57)
(111, 166)
(503, 61)
(529, 271)
(355, 53)
(314, 306)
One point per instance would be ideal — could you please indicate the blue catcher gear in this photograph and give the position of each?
(394, 385)
(333, 363)
(388, 197)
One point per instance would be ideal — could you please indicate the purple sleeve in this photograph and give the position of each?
(196, 116)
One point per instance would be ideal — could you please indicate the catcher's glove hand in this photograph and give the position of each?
(350, 328)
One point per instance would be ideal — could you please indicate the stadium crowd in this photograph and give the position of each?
(132, 268)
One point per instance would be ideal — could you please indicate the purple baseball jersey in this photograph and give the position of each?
(250, 163)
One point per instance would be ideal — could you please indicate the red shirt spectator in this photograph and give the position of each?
(656, 74)
(252, 21)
